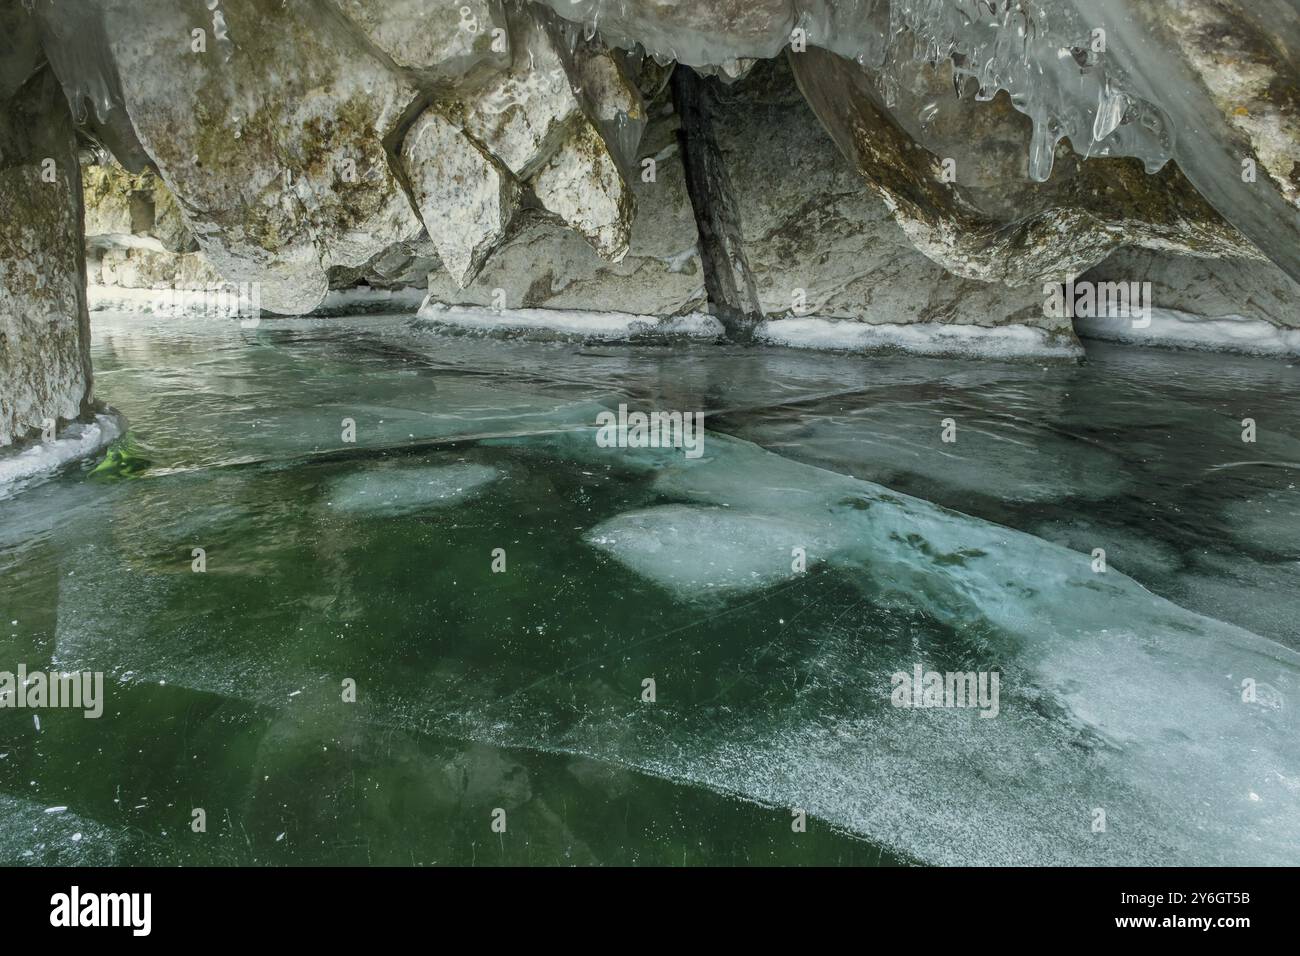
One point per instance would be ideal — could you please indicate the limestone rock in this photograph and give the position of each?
(465, 196)
(582, 185)
(45, 371)
(1227, 73)
(605, 82)
(545, 265)
(822, 243)
(448, 38)
(1208, 83)
(1003, 227)
(120, 204)
(268, 125)
(141, 267)
(402, 265)
(523, 114)
(540, 119)
(694, 32)
(1208, 288)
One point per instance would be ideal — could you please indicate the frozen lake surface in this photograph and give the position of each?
(500, 589)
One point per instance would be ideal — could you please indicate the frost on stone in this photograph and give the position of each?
(582, 185)
(446, 38)
(465, 196)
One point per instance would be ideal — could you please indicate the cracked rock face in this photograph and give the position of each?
(523, 114)
(969, 203)
(820, 245)
(447, 38)
(140, 267)
(694, 32)
(582, 186)
(466, 197)
(545, 264)
(543, 118)
(136, 236)
(1104, 74)
(129, 209)
(1208, 288)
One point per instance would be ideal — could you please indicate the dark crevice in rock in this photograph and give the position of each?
(728, 279)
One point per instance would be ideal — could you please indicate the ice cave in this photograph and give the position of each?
(325, 326)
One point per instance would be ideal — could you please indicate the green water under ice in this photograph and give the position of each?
(372, 562)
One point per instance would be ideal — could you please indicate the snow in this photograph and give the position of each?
(689, 550)
(921, 338)
(603, 326)
(1167, 327)
(1175, 329)
(198, 302)
(403, 489)
(365, 299)
(22, 465)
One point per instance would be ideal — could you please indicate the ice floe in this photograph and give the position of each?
(1183, 330)
(597, 326)
(404, 489)
(919, 338)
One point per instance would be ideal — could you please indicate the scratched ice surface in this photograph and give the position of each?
(523, 689)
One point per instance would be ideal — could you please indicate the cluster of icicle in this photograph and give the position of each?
(1099, 72)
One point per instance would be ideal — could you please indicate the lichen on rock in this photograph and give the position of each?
(268, 127)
